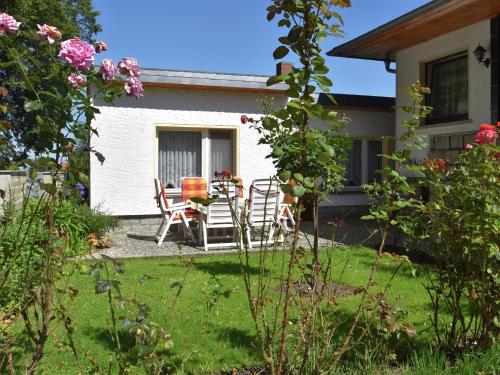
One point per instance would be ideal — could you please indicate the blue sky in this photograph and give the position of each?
(234, 36)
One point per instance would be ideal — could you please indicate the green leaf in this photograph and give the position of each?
(298, 191)
(285, 175)
(102, 286)
(32, 105)
(322, 80)
(202, 201)
(83, 178)
(324, 157)
(298, 177)
(294, 34)
(367, 217)
(277, 79)
(321, 70)
(280, 52)
(284, 22)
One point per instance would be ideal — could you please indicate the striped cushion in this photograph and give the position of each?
(194, 187)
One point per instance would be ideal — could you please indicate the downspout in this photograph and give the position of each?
(387, 63)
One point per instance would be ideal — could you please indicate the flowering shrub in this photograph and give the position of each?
(460, 226)
(55, 98)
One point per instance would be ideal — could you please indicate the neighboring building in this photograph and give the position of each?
(451, 46)
(188, 123)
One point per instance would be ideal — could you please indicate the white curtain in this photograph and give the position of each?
(221, 152)
(179, 156)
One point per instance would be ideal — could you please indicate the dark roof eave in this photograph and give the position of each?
(337, 51)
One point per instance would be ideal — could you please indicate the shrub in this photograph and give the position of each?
(23, 237)
(461, 227)
(95, 220)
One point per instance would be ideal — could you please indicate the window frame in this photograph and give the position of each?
(428, 82)
(205, 148)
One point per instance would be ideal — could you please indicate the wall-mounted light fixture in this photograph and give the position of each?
(480, 54)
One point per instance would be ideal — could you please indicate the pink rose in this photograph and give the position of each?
(244, 119)
(468, 147)
(3, 91)
(486, 136)
(129, 66)
(77, 53)
(76, 80)
(133, 87)
(101, 46)
(108, 69)
(50, 33)
(8, 24)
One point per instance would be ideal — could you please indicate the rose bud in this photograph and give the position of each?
(101, 46)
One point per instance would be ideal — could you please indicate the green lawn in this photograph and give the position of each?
(222, 338)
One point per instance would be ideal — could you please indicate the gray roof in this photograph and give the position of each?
(207, 79)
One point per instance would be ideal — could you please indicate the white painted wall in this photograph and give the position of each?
(123, 185)
(410, 60)
(363, 124)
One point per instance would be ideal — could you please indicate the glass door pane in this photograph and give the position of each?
(179, 156)
(221, 152)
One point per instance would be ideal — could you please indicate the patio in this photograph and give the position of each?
(138, 241)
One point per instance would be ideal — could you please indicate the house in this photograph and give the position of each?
(451, 46)
(188, 124)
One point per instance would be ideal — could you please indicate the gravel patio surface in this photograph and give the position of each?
(140, 242)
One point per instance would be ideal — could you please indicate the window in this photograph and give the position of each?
(221, 152)
(448, 80)
(193, 153)
(374, 161)
(353, 165)
(364, 162)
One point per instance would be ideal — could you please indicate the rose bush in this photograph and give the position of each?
(55, 95)
(458, 228)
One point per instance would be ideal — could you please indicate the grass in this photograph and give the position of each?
(208, 340)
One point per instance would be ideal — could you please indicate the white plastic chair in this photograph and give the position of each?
(263, 209)
(219, 214)
(171, 214)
